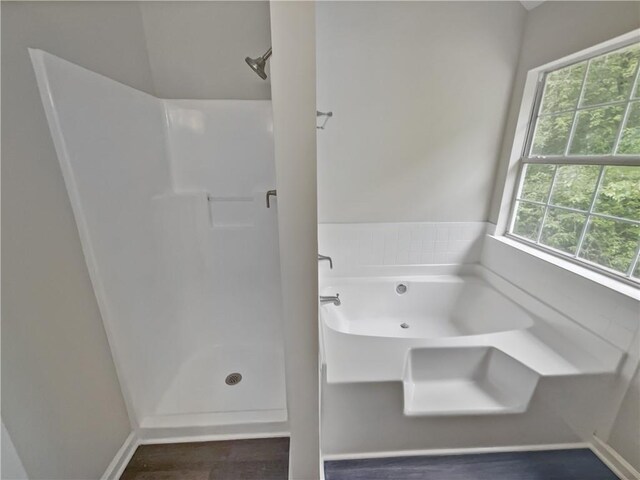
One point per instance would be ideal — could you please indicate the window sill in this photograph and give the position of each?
(584, 272)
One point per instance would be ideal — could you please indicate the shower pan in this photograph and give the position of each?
(183, 255)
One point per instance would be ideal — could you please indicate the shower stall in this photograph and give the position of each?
(169, 199)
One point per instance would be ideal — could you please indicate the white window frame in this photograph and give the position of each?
(525, 128)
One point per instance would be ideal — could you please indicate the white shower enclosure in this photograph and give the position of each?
(182, 251)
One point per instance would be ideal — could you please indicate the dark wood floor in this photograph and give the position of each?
(268, 459)
(258, 459)
(547, 465)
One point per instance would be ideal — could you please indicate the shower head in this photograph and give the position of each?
(258, 64)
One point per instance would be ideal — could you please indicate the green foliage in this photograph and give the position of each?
(574, 186)
(607, 241)
(610, 243)
(630, 141)
(537, 180)
(528, 219)
(596, 130)
(552, 133)
(619, 194)
(609, 78)
(562, 230)
(562, 88)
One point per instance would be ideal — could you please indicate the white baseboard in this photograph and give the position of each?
(614, 460)
(201, 432)
(151, 440)
(219, 420)
(122, 457)
(128, 448)
(455, 451)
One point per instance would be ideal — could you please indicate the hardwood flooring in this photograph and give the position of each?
(268, 459)
(255, 459)
(547, 465)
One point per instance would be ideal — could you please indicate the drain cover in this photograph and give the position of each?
(401, 289)
(233, 379)
(404, 325)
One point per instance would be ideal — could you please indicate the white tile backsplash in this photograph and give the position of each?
(356, 245)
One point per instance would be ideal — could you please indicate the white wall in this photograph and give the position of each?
(110, 141)
(419, 92)
(609, 314)
(554, 30)
(293, 83)
(551, 31)
(61, 401)
(625, 435)
(368, 418)
(197, 49)
(12, 468)
(223, 253)
(222, 155)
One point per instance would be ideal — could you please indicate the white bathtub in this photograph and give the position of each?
(363, 339)
(462, 343)
(370, 335)
(431, 307)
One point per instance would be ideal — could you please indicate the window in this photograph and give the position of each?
(578, 195)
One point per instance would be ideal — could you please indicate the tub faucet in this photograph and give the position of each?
(330, 299)
(324, 257)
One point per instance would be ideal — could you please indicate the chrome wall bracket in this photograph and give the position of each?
(326, 115)
(270, 193)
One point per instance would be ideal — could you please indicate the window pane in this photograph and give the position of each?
(552, 134)
(630, 140)
(537, 182)
(611, 76)
(610, 244)
(528, 219)
(619, 194)
(562, 88)
(562, 230)
(591, 212)
(596, 130)
(574, 186)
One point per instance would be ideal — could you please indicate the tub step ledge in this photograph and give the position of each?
(466, 381)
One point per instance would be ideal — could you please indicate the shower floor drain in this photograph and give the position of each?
(233, 379)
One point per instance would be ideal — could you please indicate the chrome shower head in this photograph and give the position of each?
(258, 64)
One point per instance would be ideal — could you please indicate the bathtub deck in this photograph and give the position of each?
(581, 464)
